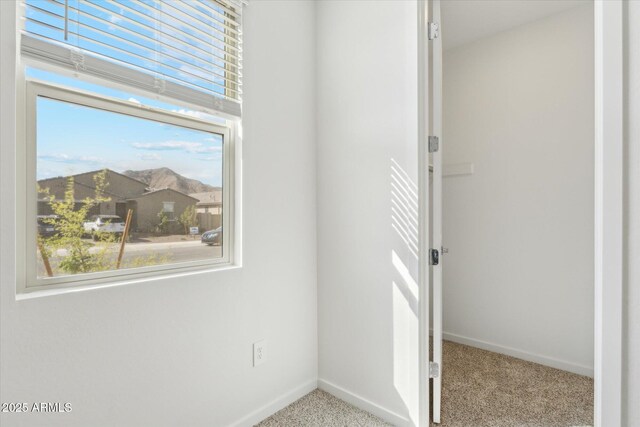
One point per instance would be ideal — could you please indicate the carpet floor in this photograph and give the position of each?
(480, 389)
(321, 409)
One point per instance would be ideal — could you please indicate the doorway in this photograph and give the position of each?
(518, 168)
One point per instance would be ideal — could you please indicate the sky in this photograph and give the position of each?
(74, 139)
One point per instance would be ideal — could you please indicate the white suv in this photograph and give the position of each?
(104, 224)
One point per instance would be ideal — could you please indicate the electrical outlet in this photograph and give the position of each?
(259, 354)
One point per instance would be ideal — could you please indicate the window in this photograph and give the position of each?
(167, 208)
(116, 187)
(132, 111)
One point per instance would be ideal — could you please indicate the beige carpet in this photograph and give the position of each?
(481, 389)
(320, 409)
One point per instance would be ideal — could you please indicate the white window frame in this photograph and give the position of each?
(609, 212)
(26, 197)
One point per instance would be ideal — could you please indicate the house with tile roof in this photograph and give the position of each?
(124, 193)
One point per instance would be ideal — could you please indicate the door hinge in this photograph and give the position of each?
(434, 144)
(433, 31)
(434, 259)
(434, 370)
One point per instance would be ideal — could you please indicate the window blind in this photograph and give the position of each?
(190, 50)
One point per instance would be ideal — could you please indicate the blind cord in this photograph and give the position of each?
(66, 20)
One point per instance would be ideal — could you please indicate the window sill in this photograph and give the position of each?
(32, 293)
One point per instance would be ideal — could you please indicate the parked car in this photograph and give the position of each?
(99, 224)
(212, 237)
(46, 226)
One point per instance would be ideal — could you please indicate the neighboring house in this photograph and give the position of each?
(209, 202)
(120, 188)
(209, 209)
(147, 206)
(125, 193)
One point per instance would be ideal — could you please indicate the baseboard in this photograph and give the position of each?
(530, 357)
(275, 405)
(364, 404)
(387, 415)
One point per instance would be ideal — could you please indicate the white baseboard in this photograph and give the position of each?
(387, 415)
(524, 355)
(275, 405)
(364, 404)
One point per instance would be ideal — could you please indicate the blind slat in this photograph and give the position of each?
(63, 55)
(47, 12)
(230, 7)
(225, 20)
(195, 79)
(175, 19)
(45, 24)
(219, 67)
(185, 44)
(190, 50)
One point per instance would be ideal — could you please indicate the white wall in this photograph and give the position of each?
(367, 206)
(631, 322)
(179, 352)
(519, 105)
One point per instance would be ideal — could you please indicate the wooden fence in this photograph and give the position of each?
(209, 221)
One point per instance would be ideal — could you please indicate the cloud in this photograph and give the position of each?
(149, 156)
(114, 20)
(209, 149)
(169, 145)
(134, 100)
(187, 146)
(66, 158)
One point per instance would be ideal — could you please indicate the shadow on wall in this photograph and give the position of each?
(404, 207)
(405, 295)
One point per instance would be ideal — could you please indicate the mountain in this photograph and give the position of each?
(166, 178)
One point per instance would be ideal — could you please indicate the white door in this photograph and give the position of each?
(430, 206)
(435, 45)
